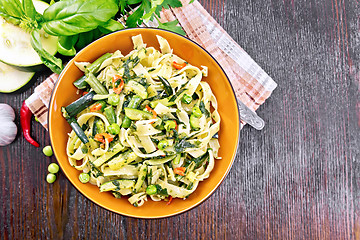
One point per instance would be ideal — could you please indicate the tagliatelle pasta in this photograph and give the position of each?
(148, 126)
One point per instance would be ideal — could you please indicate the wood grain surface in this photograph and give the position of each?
(298, 178)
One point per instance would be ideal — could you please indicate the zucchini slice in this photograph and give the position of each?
(12, 79)
(15, 46)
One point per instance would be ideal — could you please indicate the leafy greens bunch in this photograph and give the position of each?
(76, 23)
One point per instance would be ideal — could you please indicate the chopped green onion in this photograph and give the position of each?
(196, 112)
(163, 144)
(186, 99)
(169, 125)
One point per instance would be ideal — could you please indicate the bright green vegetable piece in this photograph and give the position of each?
(53, 168)
(169, 125)
(163, 144)
(114, 129)
(48, 151)
(136, 114)
(151, 190)
(50, 178)
(110, 114)
(113, 99)
(186, 99)
(84, 177)
(194, 122)
(141, 178)
(196, 112)
(36, 119)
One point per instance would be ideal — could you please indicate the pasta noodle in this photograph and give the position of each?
(159, 137)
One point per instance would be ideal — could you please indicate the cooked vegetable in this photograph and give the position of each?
(134, 103)
(186, 99)
(94, 67)
(179, 65)
(84, 177)
(110, 114)
(53, 168)
(78, 130)
(25, 121)
(113, 99)
(81, 83)
(48, 151)
(113, 129)
(76, 107)
(8, 128)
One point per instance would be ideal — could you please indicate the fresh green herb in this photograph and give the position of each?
(182, 145)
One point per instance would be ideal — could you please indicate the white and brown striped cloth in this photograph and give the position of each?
(251, 83)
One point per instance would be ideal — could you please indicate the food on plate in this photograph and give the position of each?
(146, 125)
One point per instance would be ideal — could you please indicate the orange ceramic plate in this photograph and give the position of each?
(64, 93)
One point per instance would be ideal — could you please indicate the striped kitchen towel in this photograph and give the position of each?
(251, 83)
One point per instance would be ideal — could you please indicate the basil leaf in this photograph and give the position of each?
(55, 64)
(12, 7)
(66, 45)
(87, 37)
(69, 18)
(29, 10)
(112, 26)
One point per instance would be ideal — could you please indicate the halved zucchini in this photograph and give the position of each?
(15, 46)
(12, 79)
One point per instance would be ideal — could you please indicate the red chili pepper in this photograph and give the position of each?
(102, 136)
(121, 85)
(179, 65)
(25, 121)
(180, 171)
(151, 110)
(170, 200)
(95, 107)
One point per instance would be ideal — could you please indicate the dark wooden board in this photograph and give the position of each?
(298, 178)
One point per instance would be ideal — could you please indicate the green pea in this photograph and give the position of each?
(170, 124)
(50, 178)
(113, 129)
(196, 112)
(151, 190)
(113, 99)
(186, 99)
(48, 151)
(84, 177)
(36, 119)
(163, 144)
(53, 168)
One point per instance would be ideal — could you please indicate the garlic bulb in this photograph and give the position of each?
(8, 129)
